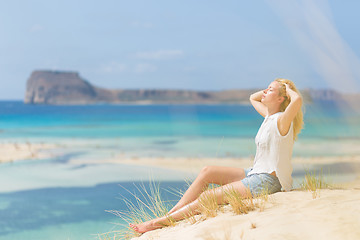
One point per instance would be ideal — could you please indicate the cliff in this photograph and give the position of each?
(55, 87)
(58, 87)
(52, 87)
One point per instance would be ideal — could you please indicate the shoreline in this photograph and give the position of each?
(24, 151)
(337, 169)
(13, 151)
(333, 166)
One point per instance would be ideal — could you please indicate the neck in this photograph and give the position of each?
(272, 111)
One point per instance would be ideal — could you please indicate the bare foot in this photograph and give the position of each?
(144, 227)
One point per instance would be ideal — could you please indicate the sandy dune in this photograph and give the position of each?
(335, 214)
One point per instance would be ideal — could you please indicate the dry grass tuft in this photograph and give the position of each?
(238, 203)
(146, 206)
(191, 218)
(313, 182)
(262, 199)
(253, 225)
(149, 205)
(208, 204)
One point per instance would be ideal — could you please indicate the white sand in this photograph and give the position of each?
(335, 214)
(21, 151)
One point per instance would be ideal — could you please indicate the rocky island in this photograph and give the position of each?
(60, 87)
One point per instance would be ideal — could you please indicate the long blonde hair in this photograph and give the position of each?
(298, 122)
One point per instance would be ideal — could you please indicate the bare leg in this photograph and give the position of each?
(192, 208)
(210, 174)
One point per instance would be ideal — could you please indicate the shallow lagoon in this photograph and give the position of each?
(63, 197)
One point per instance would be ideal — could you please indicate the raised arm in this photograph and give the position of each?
(285, 119)
(255, 100)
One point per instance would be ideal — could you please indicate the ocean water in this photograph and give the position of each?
(65, 197)
(170, 130)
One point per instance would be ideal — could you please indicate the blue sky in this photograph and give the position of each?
(200, 45)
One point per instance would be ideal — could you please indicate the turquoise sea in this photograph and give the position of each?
(63, 197)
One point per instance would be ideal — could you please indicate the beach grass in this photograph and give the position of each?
(149, 205)
(208, 203)
(262, 199)
(145, 206)
(314, 181)
(238, 203)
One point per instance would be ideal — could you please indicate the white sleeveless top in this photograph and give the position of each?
(273, 151)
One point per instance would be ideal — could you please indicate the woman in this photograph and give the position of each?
(280, 105)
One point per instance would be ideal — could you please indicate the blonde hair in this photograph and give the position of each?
(298, 122)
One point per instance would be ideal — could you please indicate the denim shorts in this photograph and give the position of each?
(259, 183)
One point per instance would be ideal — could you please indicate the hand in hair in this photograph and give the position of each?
(284, 121)
(289, 92)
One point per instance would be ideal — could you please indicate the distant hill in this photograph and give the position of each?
(59, 87)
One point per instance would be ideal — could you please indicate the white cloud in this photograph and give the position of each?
(311, 25)
(159, 55)
(145, 67)
(113, 67)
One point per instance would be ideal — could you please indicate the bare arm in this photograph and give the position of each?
(284, 121)
(255, 100)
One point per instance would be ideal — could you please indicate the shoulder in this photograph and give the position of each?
(283, 124)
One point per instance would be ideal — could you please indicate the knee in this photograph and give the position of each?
(207, 171)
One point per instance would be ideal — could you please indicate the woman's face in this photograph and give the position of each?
(271, 94)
